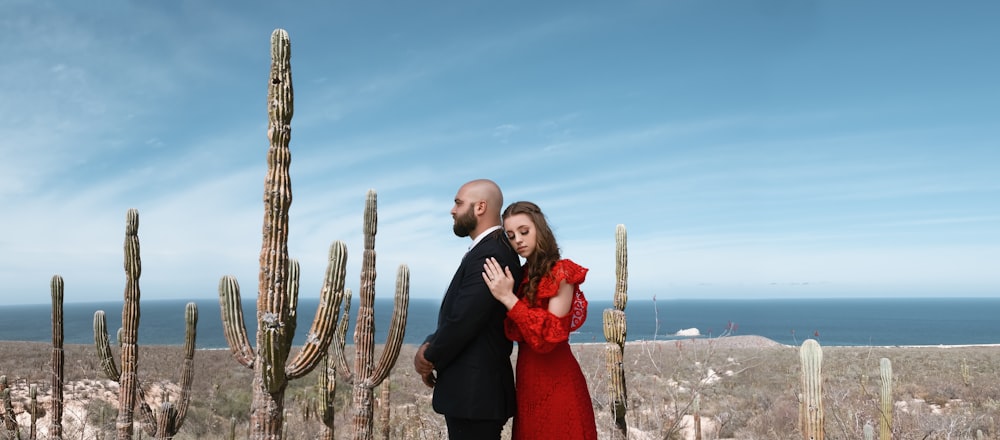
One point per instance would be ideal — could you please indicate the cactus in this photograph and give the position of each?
(58, 359)
(367, 375)
(128, 335)
(614, 333)
(811, 406)
(885, 421)
(696, 408)
(7, 410)
(384, 408)
(166, 420)
(277, 295)
(328, 379)
(33, 411)
(868, 431)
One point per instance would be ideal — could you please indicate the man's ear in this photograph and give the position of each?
(481, 207)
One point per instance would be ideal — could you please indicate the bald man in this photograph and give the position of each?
(467, 358)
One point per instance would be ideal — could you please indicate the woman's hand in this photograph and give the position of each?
(500, 281)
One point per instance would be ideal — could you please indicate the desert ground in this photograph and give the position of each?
(738, 387)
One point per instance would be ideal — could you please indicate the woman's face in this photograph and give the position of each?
(521, 233)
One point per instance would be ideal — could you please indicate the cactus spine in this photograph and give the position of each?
(811, 406)
(367, 375)
(614, 333)
(58, 359)
(277, 294)
(164, 422)
(885, 421)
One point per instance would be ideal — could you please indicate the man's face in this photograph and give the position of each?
(465, 218)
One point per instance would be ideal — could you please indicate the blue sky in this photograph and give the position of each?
(753, 149)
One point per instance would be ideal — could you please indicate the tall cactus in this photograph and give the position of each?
(367, 375)
(128, 335)
(165, 421)
(811, 406)
(58, 359)
(277, 294)
(614, 333)
(885, 421)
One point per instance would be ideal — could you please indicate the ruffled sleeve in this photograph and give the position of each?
(539, 328)
(535, 326)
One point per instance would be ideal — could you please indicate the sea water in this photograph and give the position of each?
(843, 322)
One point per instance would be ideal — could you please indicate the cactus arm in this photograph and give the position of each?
(233, 325)
(147, 413)
(104, 347)
(397, 328)
(58, 358)
(324, 325)
(187, 368)
(167, 421)
(327, 388)
(293, 301)
(621, 267)
(340, 340)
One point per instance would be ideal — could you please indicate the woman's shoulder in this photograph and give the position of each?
(567, 270)
(563, 270)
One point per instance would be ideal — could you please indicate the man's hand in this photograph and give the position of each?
(424, 367)
(429, 379)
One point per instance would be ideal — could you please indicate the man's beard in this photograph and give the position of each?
(465, 223)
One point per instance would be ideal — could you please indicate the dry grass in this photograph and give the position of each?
(747, 389)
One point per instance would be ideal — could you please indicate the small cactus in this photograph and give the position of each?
(33, 411)
(615, 333)
(811, 406)
(58, 359)
(885, 419)
(6, 409)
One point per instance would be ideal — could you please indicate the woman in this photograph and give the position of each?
(552, 397)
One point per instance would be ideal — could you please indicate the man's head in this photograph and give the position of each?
(477, 207)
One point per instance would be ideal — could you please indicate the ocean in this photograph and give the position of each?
(833, 322)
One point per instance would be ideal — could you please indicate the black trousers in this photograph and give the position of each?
(468, 429)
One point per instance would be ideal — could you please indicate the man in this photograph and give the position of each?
(474, 382)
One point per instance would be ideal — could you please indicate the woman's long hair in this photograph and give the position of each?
(546, 253)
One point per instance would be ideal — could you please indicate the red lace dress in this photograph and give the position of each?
(552, 397)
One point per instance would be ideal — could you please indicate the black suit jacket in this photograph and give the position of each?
(469, 349)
